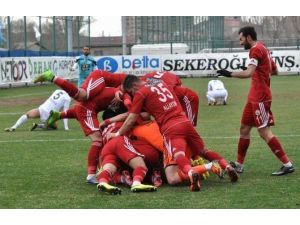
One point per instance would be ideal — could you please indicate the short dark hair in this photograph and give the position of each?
(128, 81)
(249, 31)
(112, 112)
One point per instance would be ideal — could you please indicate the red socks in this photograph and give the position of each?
(184, 164)
(104, 177)
(242, 149)
(93, 156)
(277, 149)
(70, 113)
(139, 174)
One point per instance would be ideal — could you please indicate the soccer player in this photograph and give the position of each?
(216, 93)
(86, 64)
(257, 111)
(188, 99)
(59, 100)
(160, 101)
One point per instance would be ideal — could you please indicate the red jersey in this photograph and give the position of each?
(111, 128)
(156, 98)
(99, 79)
(170, 79)
(260, 85)
(101, 101)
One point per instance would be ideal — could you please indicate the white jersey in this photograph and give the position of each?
(216, 92)
(214, 85)
(58, 101)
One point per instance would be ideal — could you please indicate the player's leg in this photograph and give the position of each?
(210, 97)
(105, 176)
(33, 113)
(139, 172)
(77, 93)
(247, 122)
(126, 151)
(93, 156)
(277, 149)
(176, 145)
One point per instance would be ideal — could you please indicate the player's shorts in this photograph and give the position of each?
(258, 115)
(181, 135)
(119, 148)
(87, 118)
(93, 84)
(44, 113)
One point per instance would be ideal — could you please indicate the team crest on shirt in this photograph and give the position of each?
(257, 112)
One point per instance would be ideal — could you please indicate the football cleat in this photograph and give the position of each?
(195, 181)
(34, 126)
(232, 173)
(46, 76)
(284, 170)
(216, 169)
(156, 178)
(54, 116)
(105, 187)
(237, 166)
(200, 161)
(91, 179)
(9, 129)
(143, 188)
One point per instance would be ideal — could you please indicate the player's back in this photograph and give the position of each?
(217, 85)
(57, 100)
(102, 100)
(169, 78)
(160, 101)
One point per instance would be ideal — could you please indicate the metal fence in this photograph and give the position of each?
(43, 36)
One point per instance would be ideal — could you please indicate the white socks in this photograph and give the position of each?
(20, 121)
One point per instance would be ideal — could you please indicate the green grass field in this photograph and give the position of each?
(47, 169)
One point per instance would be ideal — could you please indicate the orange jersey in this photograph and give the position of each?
(150, 133)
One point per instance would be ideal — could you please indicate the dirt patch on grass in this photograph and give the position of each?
(21, 102)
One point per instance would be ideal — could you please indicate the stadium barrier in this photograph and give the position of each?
(22, 70)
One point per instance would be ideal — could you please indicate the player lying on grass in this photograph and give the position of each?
(59, 100)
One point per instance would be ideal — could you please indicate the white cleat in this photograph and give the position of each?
(91, 179)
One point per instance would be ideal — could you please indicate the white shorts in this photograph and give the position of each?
(44, 113)
(218, 95)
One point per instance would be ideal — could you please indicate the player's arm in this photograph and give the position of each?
(245, 73)
(65, 108)
(274, 68)
(134, 113)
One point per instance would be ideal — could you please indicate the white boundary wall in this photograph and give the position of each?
(22, 70)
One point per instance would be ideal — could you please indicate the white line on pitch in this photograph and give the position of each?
(85, 139)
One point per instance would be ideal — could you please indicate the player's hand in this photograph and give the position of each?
(224, 73)
(104, 124)
(112, 135)
(243, 67)
(119, 95)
